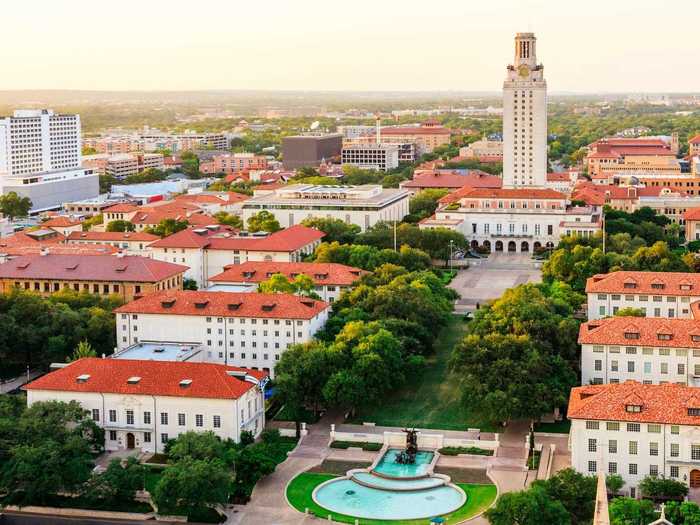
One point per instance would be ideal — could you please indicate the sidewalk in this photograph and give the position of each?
(17, 382)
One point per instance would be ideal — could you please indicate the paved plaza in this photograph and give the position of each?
(487, 279)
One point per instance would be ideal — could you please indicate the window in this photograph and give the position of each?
(163, 418)
(146, 418)
(653, 449)
(164, 438)
(681, 368)
(592, 445)
(630, 366)
(633, 469)
(95, 414)
(612, 468)
(612, 446)
(598, 365)
(112, 416)
(614, 365)
(653, 470)
(217, 421)
(612, 425)
(112, 435)
(695, 452)
(199, 420)
(674, 471)
(181, 420)
(592, 467)
(592, 425)
(675, 429)
(129, 417)
(675, 450)
(664, 368)
(633, 448)
(146, 437)
(654, 429)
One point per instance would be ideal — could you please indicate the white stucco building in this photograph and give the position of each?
(636, 430)
(40, 158)
(142, 404)
(208, 250)
(381, 157)
(658, 294)
(364, 205)
(647, 350)
(242, 329)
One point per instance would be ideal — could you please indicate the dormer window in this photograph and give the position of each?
(631, 335)
(200, 305)
(248, 275)
(633, 408)
(686, 287)
(664, 337)
(234, 306)
(658, 286)
(167, 303)
(268, 307)
(630, 285)
(694, 411)
(695, 338)
(82, 378)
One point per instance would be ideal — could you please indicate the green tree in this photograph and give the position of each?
(302, 284)
(263, 221)
(84, 349)
(167, 227)
(628, 511)
(192, 485)
(252, 463)
(13, 206)
(683, 513)
(118, 483)
(528, 507)
(336, 230)
(120, 226)
(92, 221)
(196, 445)
(229, 219)
(630, 311)
(424, 204)
(659, 487)
(614, 483)
(575, 491)
(189, 284)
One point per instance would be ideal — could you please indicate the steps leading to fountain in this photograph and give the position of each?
(380, 482)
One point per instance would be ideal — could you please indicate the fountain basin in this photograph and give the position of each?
(375, 482)
(389, 467)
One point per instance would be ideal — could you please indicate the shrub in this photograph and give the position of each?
(659, 487)
(453, 451)
(364, 445)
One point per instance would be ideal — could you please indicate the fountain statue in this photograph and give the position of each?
(408, 456)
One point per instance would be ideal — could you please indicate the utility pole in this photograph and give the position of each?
(451, 243)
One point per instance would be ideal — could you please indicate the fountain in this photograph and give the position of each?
(408, 456)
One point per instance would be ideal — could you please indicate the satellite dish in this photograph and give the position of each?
(315, 125)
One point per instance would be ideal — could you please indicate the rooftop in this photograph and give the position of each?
(225, 304)
(438, 179)
(159, 352)
(321, 273)
(652, 283)
(112, 236)
(641, 331)
(155, 378)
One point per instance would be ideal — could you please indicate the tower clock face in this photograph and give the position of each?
(524, 71)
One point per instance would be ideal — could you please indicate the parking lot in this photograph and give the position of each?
(487, 279)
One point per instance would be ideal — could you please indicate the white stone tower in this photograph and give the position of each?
(525, 118)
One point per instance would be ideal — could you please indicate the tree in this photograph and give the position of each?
(120, 226)
(630, 311)
(229, 219)
(13, 206)
(336, 230)
(92, 221)
(629, 511)
(118, 483)
(575, 491)
(424, 203)
(527, 507)
(193, 485)
(263, 221)
(662, 488)
(167, 227)
(683, 513)
(614, 483)
(84, 349)
(189, 284)
(196, 445)
(302, 284)
(252, 463)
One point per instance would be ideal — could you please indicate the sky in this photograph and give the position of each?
(349, 45)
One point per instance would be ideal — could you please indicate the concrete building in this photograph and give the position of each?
(647, 350)
(380, 157)
(142, 404)
(126, 276)
(355, 131)
(525, 117)
(131, 243)
(658, 294)
(309, 150)
(40, 158)
(426, 137)
(636, 430)
(244, 329)
(483, 150)
(233, 163)
(362, 205)
(620, 156)
(330, 279)
(208, 250)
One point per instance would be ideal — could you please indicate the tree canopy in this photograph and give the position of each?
(263, 221)
(13, 206)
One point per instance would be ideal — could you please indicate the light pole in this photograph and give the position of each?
(451, 244)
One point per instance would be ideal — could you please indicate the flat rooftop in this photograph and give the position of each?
(161, 352)
(305, 194)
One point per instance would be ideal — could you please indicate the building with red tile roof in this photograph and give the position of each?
(631, 156)
(10, 252)
(63, 225)
(450, 180)
(246, 329)
(142, 404)
(331, 279)
(208, 250)
(660, 294)
(134, 243)
(636, 430)
(127, 276)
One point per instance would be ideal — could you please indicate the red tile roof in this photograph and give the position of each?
(558, 177)
(122, 207)
(671, 281)
(157, 378)
(112, 236)
(612, 330)
(209, 198)
(225, 304)
(128, 268)
(321, 273)
(436, 179)
(693, 214)
(415, 130)
(153, 218)
(60, 222)
(664, 404)
(695, 140)
(24, 239)
(59, 249)
(512, 193)
(288, 240)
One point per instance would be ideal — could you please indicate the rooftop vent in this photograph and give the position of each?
(307, 302)
(237, 373)
(200, 305)
(200, 231)
(72, 267)
(269, 307)
(23, 266)
(185, 383)
(167, 303)
(234, 306)
(121, 268)
(82, 378)
(134, 380)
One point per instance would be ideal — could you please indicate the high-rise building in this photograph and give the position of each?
(40, 158)
(525, 117)
(310, 150)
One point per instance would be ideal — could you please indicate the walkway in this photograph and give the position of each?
(12, 384)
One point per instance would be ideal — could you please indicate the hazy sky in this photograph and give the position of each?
(592, 46)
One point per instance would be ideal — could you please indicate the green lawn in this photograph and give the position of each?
(430, 401)
(479, 498)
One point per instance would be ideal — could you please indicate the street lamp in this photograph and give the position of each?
(451, 244)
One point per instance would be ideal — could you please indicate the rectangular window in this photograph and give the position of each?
(633, 448)
(675, 450)
(592, 445)
(129, 417)
(146, 418)
(653, 449)
(163, 418)
(113, 416)
(612, 468)
(633, 469)
(95, 414)
(217, 421)
(675, 429)
(164, 438)
(674, 471)
(592, 425)
(614, 367)
(695, 452)
(112, 435)
(592, 467)
(634, 427)
(654, 429)
(181, 420)
(612, 425)
(612, 446)
(653, 470)
(630, 366)
(199, 420)
(146, 437)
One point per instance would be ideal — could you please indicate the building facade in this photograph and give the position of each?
(241, 329)
(636, 430)
(142, 404)
(380, 157)
(40, 158)
(657, 294)
(310, 150)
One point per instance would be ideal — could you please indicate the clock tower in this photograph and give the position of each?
(525, 118)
